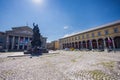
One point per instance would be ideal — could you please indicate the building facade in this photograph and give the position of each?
(51, 46)
(57, 45)
(102, 37)
(54, 45)
(19, 38)
(2, 40)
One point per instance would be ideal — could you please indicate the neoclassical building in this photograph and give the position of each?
(2, 40)
(102, 37)
(19, 38)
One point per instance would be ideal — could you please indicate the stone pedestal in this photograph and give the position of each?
(36, 51)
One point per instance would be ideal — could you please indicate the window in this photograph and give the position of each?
(66, 40)
(83, 37)
(72, 39)
(115, 30)
(106, 32)
(93, 35)
(1, 40)
(78, 37)
(69, 39)
(87, 36)
(99, 33)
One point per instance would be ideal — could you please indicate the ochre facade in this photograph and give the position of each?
(102, 37)
(56, 45)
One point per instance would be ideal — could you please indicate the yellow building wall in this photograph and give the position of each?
(57, 46)
(110, 29)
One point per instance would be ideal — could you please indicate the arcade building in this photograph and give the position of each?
(17, 39)
(99, 38)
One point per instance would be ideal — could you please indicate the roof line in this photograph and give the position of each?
(95, 28)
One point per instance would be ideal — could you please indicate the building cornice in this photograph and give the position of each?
(93, 29)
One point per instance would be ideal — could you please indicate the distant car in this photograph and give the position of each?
(66, 49)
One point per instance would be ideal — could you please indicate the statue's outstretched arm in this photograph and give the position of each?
(33, 24)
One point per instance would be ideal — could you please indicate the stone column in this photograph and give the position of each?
(23, 43)
(86, 45)
(81, 45)
(28, 43)
(7, 42)
(91, 44)
(104, 43)
(105, 48)
(78, 45)
(97, 44)
(18, 43)
(113, 43)
(13, 41)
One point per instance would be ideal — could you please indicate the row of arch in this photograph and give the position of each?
(110, 43)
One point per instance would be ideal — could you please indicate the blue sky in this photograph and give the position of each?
(56, 18)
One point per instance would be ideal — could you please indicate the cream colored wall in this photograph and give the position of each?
(103, 35)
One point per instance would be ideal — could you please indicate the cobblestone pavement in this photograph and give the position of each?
(61, 65)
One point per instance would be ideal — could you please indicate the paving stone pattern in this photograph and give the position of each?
(61, 65)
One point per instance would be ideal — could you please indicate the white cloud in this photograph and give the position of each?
(66, 27)
(66, 35)
(48, 41)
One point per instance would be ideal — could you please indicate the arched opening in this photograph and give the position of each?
(79, 45)
(101, 44)
(117, 42)
(88, 44)
(108, 42)
(94, 43)
(63, 46)
(72, 44)
(84, 44)
(67, 45)
(76, 45)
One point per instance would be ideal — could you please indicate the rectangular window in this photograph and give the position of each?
(99, 33)
(106, 32)
(87, 36)
(1, 40)
(83, 37)
(93, 35)
(72, 39)
(68, 39)
(79, 37)
(76, 38)
(115, 30)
